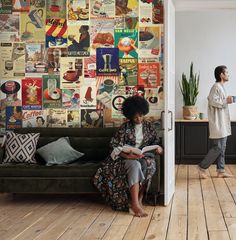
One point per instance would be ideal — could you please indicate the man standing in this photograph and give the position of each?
(219, 124)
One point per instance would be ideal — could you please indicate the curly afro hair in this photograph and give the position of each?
(134, 105)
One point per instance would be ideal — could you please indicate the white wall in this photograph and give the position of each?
(208, 38)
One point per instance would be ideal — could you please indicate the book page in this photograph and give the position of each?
(149, 148)
(128, 149)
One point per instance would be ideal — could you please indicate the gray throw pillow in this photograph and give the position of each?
(59, 152)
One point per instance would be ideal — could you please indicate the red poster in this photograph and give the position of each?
(32, 93)
(149, 74)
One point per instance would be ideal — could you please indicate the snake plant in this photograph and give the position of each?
(190, 88)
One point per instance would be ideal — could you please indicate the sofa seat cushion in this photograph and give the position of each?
(34, 170)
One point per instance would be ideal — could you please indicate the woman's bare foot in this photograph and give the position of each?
(137, 211)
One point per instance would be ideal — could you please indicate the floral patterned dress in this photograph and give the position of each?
(110, 178)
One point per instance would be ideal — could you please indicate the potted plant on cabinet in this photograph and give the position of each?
(190, 90)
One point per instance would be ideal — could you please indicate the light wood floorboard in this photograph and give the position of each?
(201, 209)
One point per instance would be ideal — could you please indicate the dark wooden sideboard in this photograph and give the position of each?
(192, 142)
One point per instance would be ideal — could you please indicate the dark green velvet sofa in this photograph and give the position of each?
(75, 177)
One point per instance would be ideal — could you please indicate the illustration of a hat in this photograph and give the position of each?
(10, 87)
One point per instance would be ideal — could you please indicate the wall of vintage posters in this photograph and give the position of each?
(71, 63)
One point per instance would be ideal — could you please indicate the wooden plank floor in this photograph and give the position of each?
(200, 210)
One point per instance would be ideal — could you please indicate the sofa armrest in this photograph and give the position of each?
(2, 150)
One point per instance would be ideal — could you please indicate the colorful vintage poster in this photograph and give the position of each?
(127, 42)
(158, 11)
(20, 5)
(51, 91)
(128, 71)
(78, 40)
(12, 60)
(71, 98)
(108, 121)
(103, 100)
(101, 34)
(56, 32)
(34, 118)
(90, 67)
(71, 73)
(56, 8)
(88, 94)
(91, 118)
(73, 118)
(6, 7)
(107, 61)
(145, 10)
(150, 41)
(56, 117)
(107, 84)
(33, 24)
(13, 117)
(102, 9)
(32, 93)
(78, 12)
(151, 95)
(149, 74)
(10, 93)
(9, 27)
(35, 61)
(54, 56)
(116, 105)
(127, 7)
(131, 90)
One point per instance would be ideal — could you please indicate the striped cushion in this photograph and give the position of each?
(21, 148)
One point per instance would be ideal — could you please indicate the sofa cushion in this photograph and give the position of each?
(75, 169)
(59, 152)
(20, 147)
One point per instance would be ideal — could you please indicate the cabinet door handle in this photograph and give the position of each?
(171, 119)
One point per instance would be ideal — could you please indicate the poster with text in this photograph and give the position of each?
(71, 98)
(13, 117)
(34, 118)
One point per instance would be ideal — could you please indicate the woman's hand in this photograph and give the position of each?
(159, 150)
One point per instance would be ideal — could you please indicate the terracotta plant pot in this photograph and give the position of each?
(190, 112)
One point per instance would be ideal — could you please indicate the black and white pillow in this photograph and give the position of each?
(21, 148)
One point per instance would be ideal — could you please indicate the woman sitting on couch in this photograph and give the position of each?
(123, 171)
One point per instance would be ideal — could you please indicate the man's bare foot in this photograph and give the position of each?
(224, 175)
(138, 211)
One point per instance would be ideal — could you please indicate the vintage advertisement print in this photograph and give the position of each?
(90, 67)
(107, 61)
(149, 74)
(101, 34)
(20, 5)
(73, 118)
(128, 71)
(88, 94)
(71, 98)
(35, 61)
(9, 27)
(56, 8)
(71, 73)
(127, 7)
(78, 12)
(51, 91)
(33, 24)
(34, 118)
(127, 42)
(150, 42)
(13, 117)
(78, 40)
(91, 118)
(54, 56)
(102, 8)
(12, 60)
(32, 93)
(56, 118)
(56, 32)
(6, 7)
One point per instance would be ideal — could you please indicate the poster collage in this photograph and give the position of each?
(71, 63)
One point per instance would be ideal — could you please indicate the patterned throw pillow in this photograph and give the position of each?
(21, 148)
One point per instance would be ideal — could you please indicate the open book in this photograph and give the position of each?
(128, 149)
